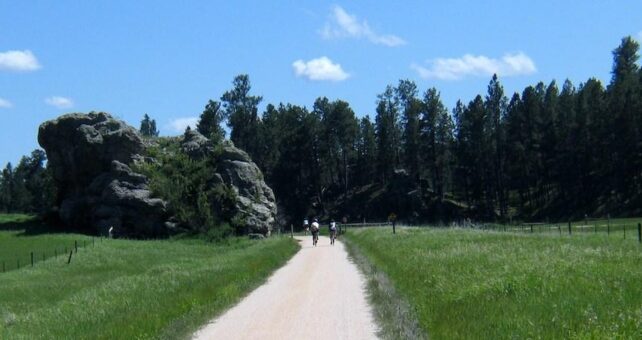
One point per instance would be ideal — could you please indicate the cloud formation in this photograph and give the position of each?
(20, 61)
(59, 102)
(344, 25)
(511, 64)
(179, 125)
(319, 69)
(5, 104)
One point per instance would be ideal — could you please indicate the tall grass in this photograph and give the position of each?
(122, 289)
(490, 285)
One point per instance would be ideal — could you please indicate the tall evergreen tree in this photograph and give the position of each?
(367, 152)
(410, 107)
(387, 133)
(241, 110)
(209, 123)
(148, 127)
(495, 103)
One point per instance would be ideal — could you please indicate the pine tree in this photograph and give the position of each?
(209, 124)
(367, 152)
(148, 127)
(387, 133)
(495, 154)
(410, 107)
(241, 110)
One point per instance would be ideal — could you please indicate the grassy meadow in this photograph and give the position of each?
(467, 284)
(20, 235)
(123, 289)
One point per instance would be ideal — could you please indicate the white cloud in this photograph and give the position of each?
(5, 104)
(319, 69)
(345, 25)
(18, 61)
(59, 102)
(511, 64)
(179, 125)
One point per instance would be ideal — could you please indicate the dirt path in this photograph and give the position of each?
(318, 294)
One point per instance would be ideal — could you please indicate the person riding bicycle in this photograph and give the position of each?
(333, 232)
(314, 228)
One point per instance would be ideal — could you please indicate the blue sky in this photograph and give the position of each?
(168, 58)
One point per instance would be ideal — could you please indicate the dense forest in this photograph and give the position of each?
(553, 151)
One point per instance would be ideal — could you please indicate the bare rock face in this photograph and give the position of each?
(89, 154)
(256, 201)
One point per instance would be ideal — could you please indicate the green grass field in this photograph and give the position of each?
(466, 284)
(617, 227)
(18, 240)
(121, 289)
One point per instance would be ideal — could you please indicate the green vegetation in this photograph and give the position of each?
(473, 284)
(121, 289)
(18, 240)
(201, 204)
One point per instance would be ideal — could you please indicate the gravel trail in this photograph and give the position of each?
(318, 294)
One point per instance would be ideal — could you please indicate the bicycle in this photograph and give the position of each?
(333, 236)
(315, 237)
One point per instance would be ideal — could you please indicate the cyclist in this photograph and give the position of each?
(314, 228)
(306, 226)
(333, 232)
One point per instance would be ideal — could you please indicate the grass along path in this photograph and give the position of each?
(123, 289)
(471, 284)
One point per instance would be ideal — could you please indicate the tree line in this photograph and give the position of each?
(28, 187)
(550, 151)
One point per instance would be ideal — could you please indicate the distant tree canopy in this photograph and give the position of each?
(28, 187)
(545, 152)
(148, 127)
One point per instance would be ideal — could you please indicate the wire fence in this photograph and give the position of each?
(37, 257)
(617, 228)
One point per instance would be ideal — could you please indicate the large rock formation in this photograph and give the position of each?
(90, 156)
(256, 202)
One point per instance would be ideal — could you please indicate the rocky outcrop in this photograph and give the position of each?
(88, 154)
(196, 145)
(256, 202)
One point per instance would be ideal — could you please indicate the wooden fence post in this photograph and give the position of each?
(70, 253)
(76, 245)
(291, 230)
(32, 259)
(639, 232)
(569, 227)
